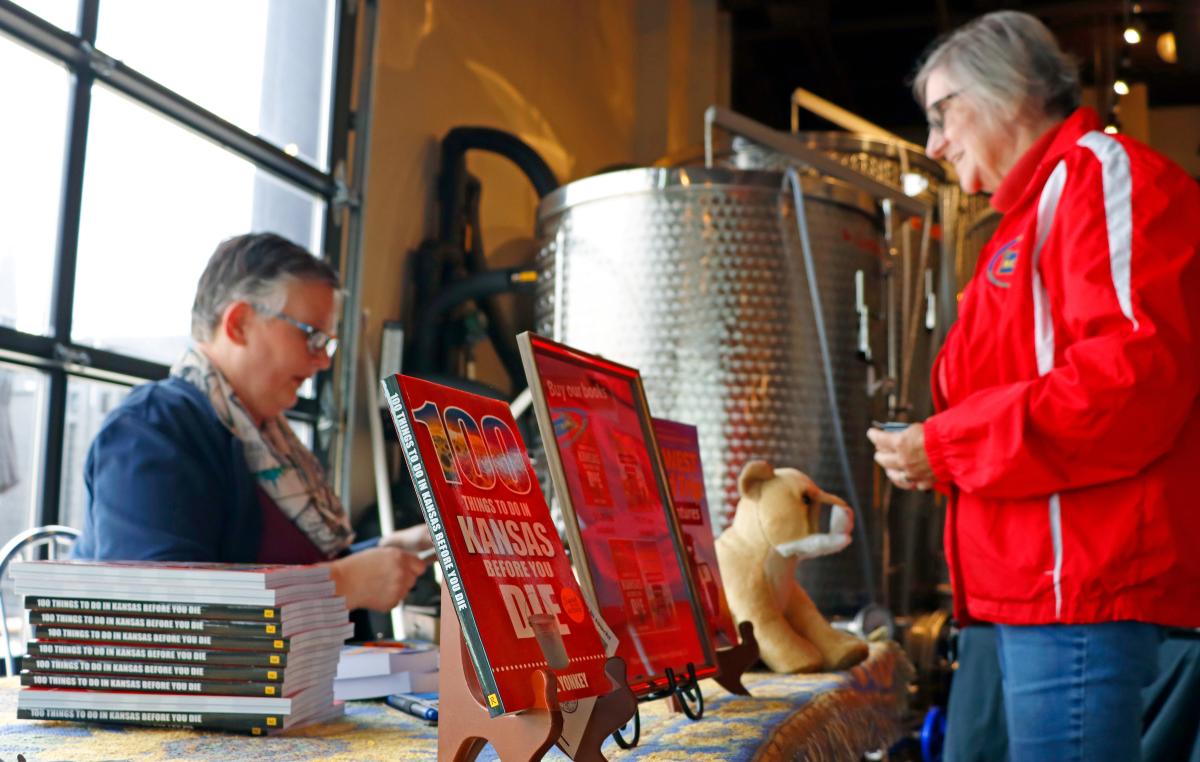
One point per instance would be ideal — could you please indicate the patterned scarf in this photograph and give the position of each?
(284, 468)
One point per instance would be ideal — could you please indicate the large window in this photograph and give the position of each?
(137, 134)
(156, 199)
(32, 152)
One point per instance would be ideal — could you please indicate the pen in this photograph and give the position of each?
(426, 553)
(422, 710)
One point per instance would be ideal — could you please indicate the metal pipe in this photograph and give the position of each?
(19, 544)
(458, 211)
(847, 120)
(452, 175)
(477, 287)
(792, 177)
(947, 285)
(914, 317)
(892, 368)
(786, 144)
(383, 476)
(348, 370)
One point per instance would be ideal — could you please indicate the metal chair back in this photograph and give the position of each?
(56, 539)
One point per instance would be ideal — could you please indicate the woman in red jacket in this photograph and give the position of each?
(1068, 427)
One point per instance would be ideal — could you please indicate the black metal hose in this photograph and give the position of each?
(477, 286)
(455, 214)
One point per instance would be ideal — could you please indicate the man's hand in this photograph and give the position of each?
(413, 539)
(902, 456)
(378, 578)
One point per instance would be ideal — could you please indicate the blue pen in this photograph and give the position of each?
(422, 710)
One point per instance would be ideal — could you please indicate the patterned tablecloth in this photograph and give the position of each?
(831, 716)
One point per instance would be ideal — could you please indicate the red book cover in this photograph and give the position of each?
(679, 444)
(616, 504)
(516, 598)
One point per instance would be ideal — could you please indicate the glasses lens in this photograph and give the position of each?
(936, 113)
(331, 346)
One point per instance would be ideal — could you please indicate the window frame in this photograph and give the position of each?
(56, 355)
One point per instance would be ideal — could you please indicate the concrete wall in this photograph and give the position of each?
(588, 84)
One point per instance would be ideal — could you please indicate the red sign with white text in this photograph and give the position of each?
(507, 572)
(679, 444)
(623, 522)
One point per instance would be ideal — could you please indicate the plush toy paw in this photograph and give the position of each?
(845, 651)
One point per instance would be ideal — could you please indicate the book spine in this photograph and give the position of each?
(182, 639)
(149, 684)
(165, 670)
(433, 518)
(154, 608)
(156, 654)
(254, 724)
(226, 628)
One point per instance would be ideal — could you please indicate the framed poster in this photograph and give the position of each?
(679, 444)
(607, 473)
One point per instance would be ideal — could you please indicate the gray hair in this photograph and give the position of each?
(256, 267)
(1010, 61)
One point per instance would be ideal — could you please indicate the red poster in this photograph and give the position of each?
(618, 510)
(679, 444)
(515, 595)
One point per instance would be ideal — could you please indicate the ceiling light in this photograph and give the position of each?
(1132, 35)
(1121, 87)
(1166, 47)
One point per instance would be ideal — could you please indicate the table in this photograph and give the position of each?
(821, 717)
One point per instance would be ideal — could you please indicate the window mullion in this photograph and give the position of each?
(61, 306)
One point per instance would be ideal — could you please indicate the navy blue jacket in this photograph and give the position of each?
(166, 480)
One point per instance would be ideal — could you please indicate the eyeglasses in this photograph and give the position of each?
(935, 114)
(318, 340)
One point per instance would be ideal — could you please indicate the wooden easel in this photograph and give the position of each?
(466, 726)
(732, 662)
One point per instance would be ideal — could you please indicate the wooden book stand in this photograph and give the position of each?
(735, 660)
(732, 662)
(465, 727)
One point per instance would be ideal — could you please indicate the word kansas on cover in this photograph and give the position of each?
(508, 576)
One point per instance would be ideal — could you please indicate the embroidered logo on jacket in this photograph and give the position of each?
(1003, 264)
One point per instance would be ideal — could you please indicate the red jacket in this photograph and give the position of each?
(1069, 393)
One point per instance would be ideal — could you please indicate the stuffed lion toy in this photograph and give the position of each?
(773, 529)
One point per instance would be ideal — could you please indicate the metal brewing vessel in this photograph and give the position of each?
(920, 290)
(695, 276)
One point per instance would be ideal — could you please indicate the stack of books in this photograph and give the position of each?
(383, 668)
(235, 647)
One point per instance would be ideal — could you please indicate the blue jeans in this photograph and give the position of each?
(1073, 693)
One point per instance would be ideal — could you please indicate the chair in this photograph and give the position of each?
(56, 539)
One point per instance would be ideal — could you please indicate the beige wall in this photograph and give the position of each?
(1175, 131)
(1171, 130)
(587, 83)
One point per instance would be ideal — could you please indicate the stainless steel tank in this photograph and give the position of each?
(695, 276)
(908, 522)
(903, 166)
